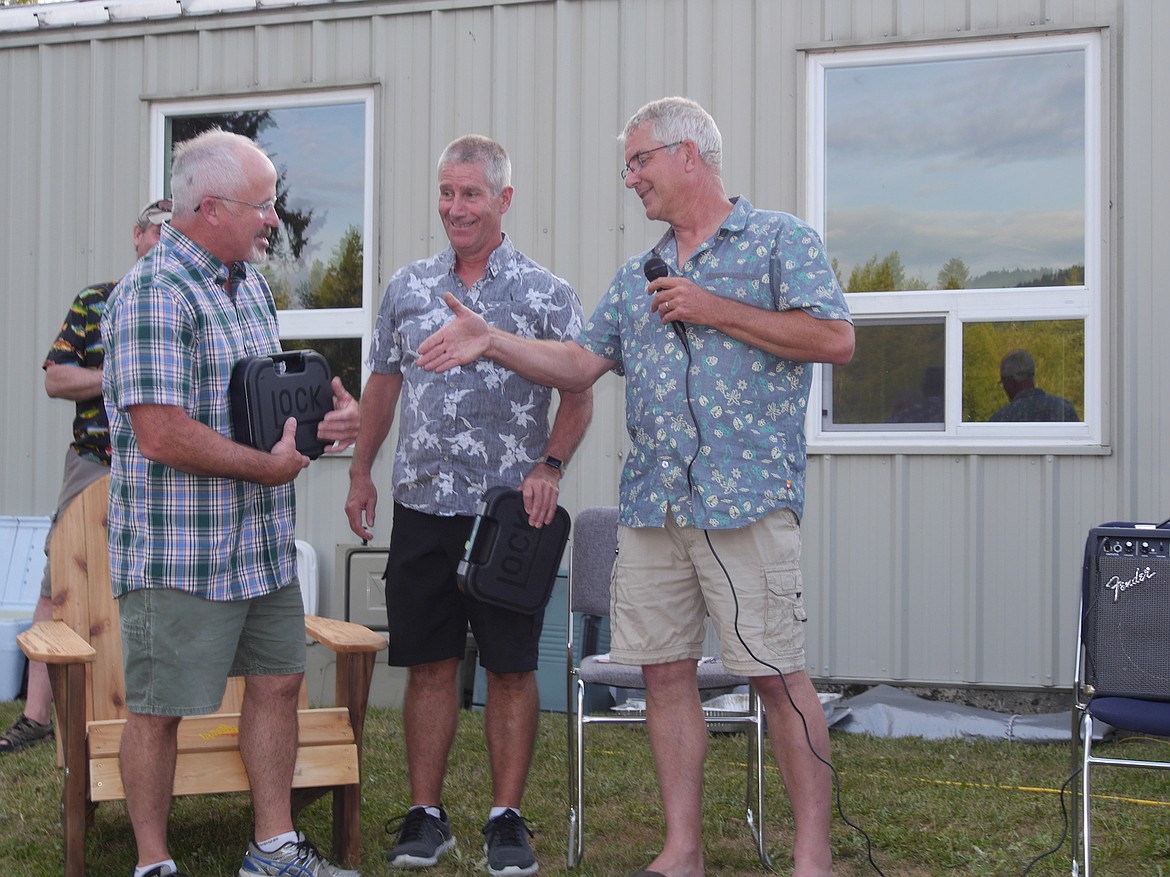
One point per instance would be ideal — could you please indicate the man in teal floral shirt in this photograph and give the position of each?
(716, 352)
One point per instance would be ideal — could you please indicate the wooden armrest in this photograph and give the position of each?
(343, 637)
(55, 642)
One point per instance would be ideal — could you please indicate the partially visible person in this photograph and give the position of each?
(1027, 402)
(716, 358)
(73, 371)
(460, 434)
(202, 553)
(926, 406)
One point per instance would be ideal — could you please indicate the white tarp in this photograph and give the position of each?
(886, 711)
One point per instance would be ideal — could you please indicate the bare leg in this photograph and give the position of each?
(808, 781)
(149, 744)
(39, 704)
(268, 747)
(513, 710)
(430, 713)
(678, 738)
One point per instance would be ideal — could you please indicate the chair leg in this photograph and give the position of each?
(576, 729)
(1078, 720)
(347, 825)
(755, 781)
(68, 684)
(1086, 751)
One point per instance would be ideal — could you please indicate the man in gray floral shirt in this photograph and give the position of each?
(459, 434)
(716, 354)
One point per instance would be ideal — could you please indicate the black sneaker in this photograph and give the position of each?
(506, 845)
(24, 732)
(422, 839)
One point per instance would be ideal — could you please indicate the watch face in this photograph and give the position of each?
(552, 461)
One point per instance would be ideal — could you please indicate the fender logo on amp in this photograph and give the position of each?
(1117, 584)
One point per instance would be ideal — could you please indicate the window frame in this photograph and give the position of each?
(324, 323)
(958, 307)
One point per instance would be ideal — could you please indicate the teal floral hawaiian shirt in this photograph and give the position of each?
(717, 430)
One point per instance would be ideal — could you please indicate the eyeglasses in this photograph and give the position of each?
(638, 159)
(263, 206)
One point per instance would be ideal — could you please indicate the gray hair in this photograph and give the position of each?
(672, 119)
(1018, 365)
(476, 149)
(208, 164)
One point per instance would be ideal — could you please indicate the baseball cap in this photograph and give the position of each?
(156, 212)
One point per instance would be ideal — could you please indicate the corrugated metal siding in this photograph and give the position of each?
(946, 569)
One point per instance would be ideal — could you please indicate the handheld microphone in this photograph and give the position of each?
(656, 268)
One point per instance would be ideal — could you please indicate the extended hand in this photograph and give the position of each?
(340, 425)
(463, 340)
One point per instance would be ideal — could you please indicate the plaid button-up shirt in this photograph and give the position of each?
(172, 334)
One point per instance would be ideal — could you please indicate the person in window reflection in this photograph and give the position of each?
(1028, 403)
(716, 353)
(202, 554)
(460, 434)
(927, 406)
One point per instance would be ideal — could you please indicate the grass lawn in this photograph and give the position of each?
(930, 808)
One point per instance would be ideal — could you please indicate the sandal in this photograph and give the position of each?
(24, 732)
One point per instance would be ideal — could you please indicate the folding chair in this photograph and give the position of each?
(1123, 663)
(590, 568)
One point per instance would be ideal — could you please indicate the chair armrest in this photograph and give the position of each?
(55, 642)
(343, 637)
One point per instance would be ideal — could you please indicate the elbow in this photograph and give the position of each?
(842, 356)
(579, 385)
(154, 450)
(843, 350)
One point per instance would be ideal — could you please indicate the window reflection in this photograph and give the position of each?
(1024, 371)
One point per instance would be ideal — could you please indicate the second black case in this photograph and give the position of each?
(508, 562)
(266, 391)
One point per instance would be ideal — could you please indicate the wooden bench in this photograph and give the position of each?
(82, 647)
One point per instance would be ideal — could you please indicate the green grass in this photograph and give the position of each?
(931, 808)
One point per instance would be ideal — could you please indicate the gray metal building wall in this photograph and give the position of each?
(937, 568)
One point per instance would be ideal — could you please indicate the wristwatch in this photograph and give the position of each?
(553, 463)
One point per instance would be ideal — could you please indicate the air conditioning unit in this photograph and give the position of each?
(359, 595)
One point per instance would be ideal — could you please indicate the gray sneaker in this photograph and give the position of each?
(422, 839)
(506, 845)
(299, 859)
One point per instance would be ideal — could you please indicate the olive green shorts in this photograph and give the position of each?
(179, 649)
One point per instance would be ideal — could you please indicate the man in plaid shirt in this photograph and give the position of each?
(202, 555)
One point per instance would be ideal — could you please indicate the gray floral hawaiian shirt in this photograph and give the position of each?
(717, 433)
(479, 425)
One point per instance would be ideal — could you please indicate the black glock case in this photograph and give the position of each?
(507, 562)
(266, 391)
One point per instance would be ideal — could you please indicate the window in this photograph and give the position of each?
(320, 265)
(958, 191)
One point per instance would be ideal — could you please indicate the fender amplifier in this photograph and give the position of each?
(266, 391)
(508, 562)
(1126, 611)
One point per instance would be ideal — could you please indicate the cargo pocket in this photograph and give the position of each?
(785, 613)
